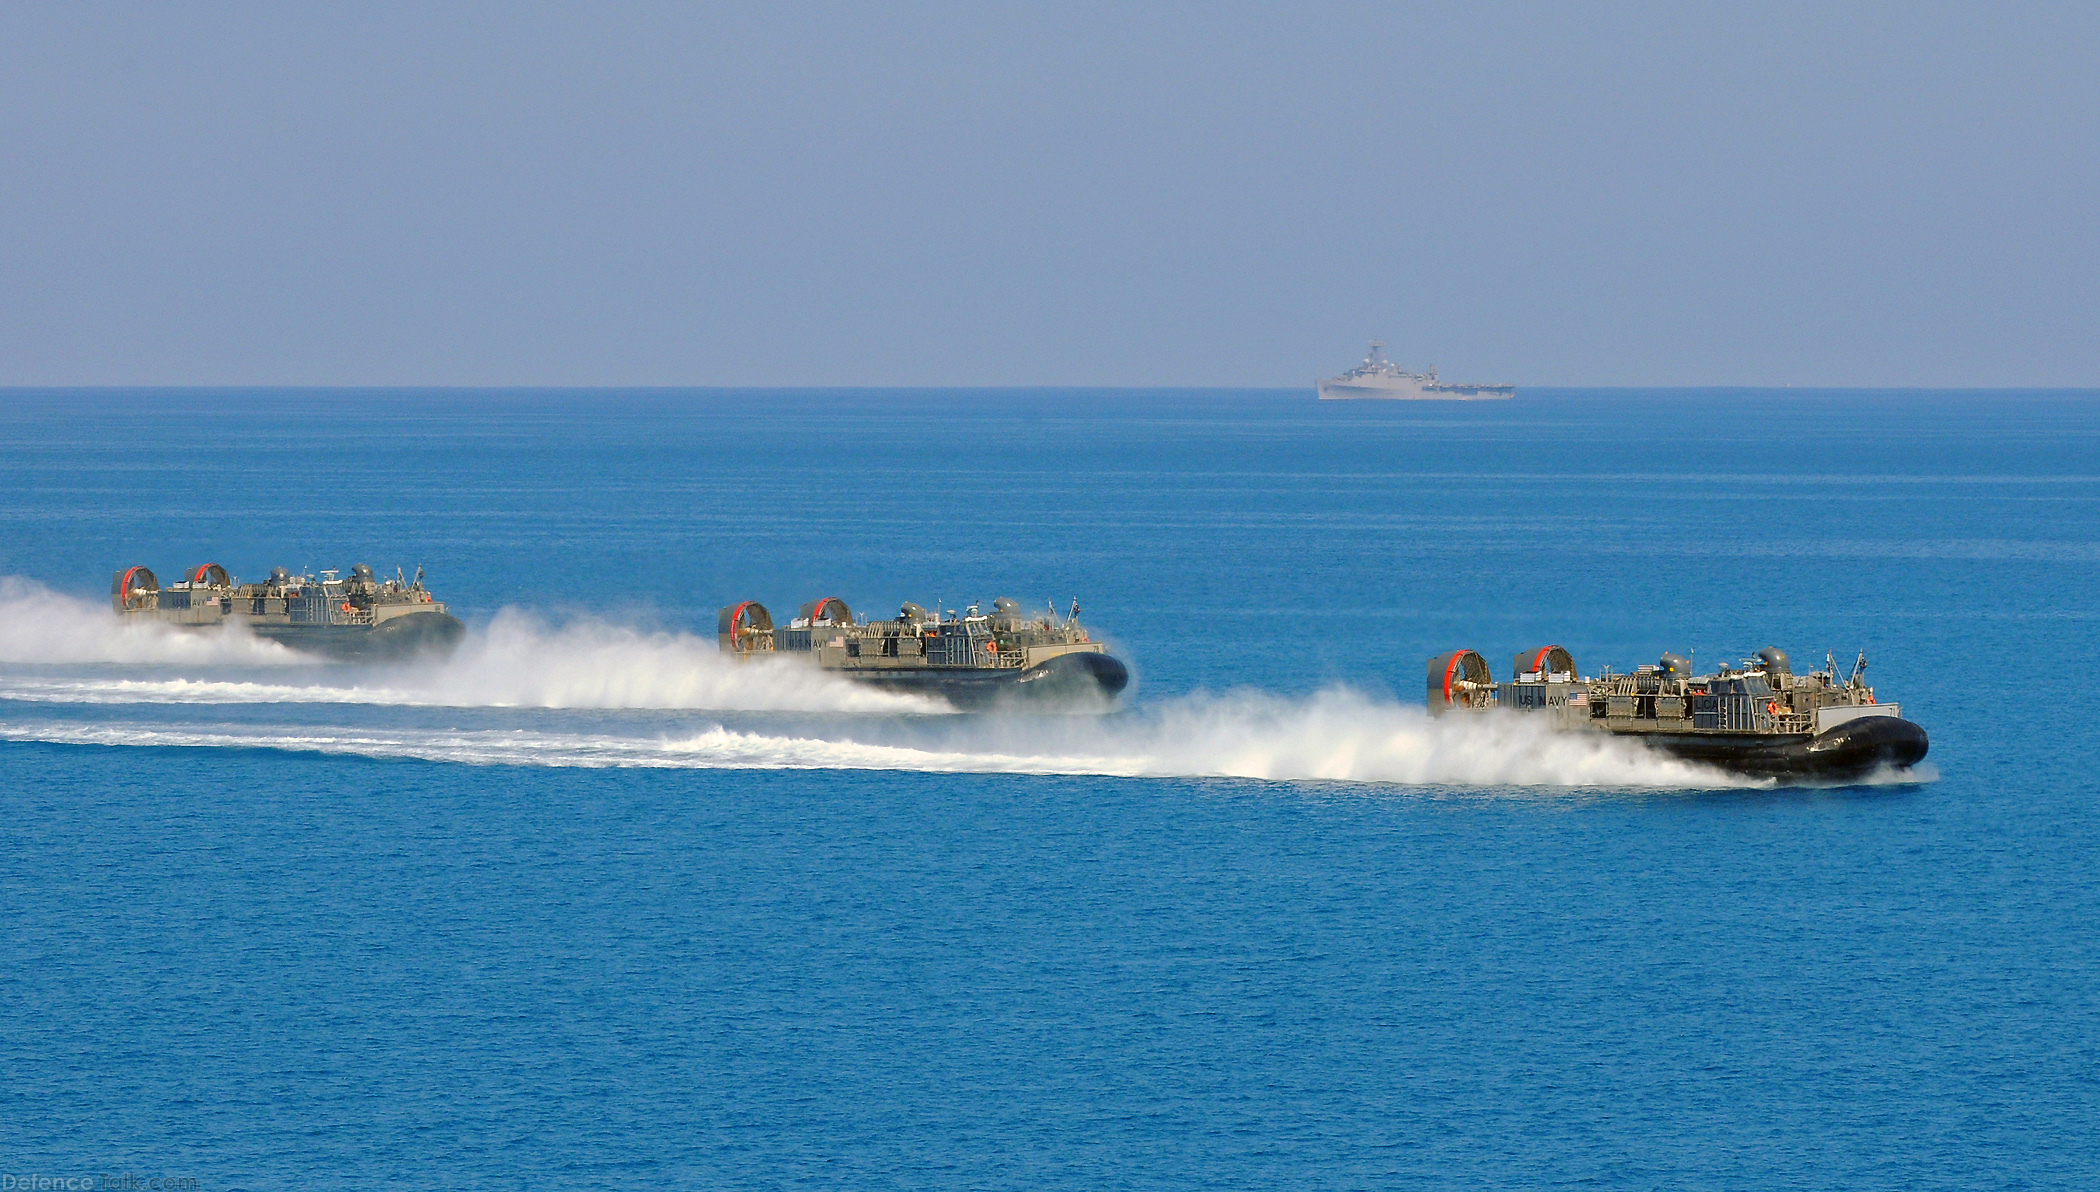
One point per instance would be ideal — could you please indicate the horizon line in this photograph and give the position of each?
(400, 387)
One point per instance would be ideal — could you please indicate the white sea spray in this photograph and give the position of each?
(1335, 736)
(516, 660)
(42, 627)
(776, 713)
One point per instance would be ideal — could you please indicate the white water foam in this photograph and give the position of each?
(58, 651)
(43, 627)
(520, 661)
(517, 661)
(1336, 736)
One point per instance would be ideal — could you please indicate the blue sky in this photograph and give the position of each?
(1117, 195)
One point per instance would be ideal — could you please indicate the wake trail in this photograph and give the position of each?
(1335, 736)
(516, 661)
(45, 628)
(61, 653)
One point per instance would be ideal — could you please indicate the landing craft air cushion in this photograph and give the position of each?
(361, 618)
(971, 659)
(1758, 718)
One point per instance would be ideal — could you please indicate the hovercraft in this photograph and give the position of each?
(970, 658)
(1758, 718)
(361, 618)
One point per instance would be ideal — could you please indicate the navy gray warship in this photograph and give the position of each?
(1379, 378)
(361, 618)
(1758, 718)
(971, 658)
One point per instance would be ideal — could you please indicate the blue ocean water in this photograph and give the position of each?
(582, 907)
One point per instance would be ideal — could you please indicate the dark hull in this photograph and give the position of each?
(1850, 750)
(1077, 680)
(391, 640)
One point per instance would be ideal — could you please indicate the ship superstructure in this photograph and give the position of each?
(361, 616)
(1757, 717)
(1380, 379)
(969, 657)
